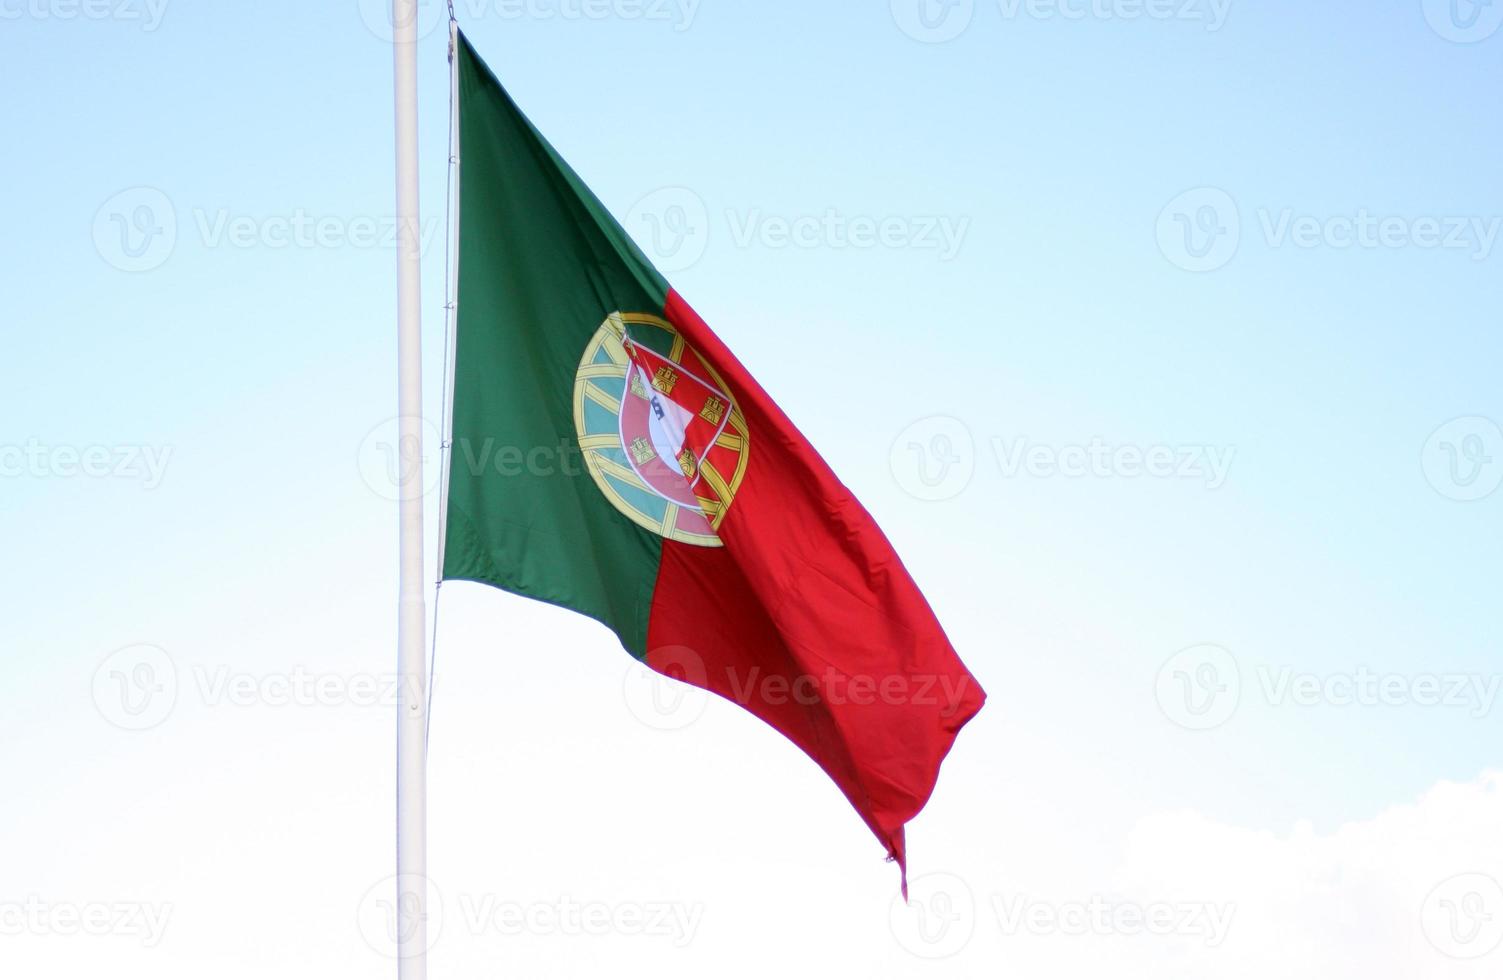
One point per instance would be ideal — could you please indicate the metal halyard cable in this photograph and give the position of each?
(451, 307)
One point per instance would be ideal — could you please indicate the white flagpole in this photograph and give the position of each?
(412, 722)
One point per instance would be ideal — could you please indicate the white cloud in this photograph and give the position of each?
(1412, 893)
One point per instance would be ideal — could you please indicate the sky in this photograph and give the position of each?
(1162, 338)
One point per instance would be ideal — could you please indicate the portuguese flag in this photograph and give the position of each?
(665, 494)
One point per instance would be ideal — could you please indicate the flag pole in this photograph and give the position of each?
(412, 724)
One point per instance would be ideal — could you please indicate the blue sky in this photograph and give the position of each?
(1262, 241)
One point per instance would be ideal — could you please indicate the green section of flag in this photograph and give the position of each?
(541, 265)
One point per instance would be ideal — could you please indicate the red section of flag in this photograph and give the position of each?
(808, 619)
